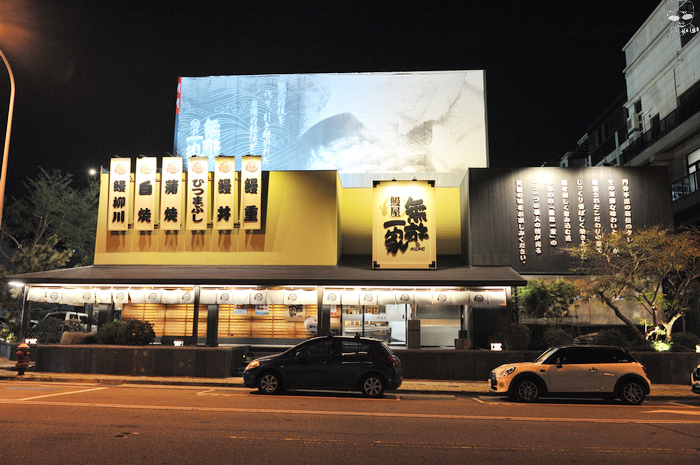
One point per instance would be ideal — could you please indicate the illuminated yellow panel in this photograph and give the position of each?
(356, 221)
(300, 228)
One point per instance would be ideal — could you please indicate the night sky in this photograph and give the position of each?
(98, 78)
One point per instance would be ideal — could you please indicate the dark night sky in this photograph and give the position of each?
(97, 79)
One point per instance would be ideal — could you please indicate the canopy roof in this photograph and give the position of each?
(354, 271)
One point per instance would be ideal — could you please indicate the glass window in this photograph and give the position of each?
(317, 349)
(544, 357)
(551, 357)
(354, 347)
(694, 161)
(580, 356)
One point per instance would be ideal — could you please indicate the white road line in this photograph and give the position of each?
(204, 393)
(681, 412)
(60, 394)
(357, 414)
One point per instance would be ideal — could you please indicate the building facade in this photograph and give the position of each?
(657, 120)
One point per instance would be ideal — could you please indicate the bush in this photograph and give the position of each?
(684, 342)
(126, 333)
(137, 333)
(47, 331)
(555, 336)
(514, 337)
(611, 337)
(6, 334)
(641, 346)
(108, 333)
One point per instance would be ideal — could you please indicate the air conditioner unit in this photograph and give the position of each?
(634, 123)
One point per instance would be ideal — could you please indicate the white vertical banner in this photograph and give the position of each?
(171, 214)
(251, 192)
(225, 206)
(145, 194)
(119, 190)
(197, 194)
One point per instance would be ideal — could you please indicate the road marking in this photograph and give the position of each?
(681, 412)
(496, 447)
(60, 394)
(476, 399)
(204, 393)
(253, 411)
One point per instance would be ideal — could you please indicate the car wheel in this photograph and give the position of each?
(526, 390)
(632, 393)
(269, 383)
(372, 386)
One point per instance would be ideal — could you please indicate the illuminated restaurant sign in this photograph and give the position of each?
(225, 211)
(197, 194)
(171, 194)
(403, 224)
(251, 192)
(145, 195)
(195, 199)
(119, 190)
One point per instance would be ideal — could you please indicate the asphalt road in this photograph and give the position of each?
(82, 423)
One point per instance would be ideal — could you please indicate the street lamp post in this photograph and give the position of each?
(3, 174)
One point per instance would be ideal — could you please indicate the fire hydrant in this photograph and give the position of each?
(22, 358)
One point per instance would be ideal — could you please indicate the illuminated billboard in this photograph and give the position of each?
(353, 123)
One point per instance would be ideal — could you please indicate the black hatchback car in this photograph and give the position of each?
(328, 363)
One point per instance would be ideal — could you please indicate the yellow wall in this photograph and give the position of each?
(301, 228)
(310, 220)
(356, 221)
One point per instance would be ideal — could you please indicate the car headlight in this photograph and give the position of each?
(508, 371)
(253, 364)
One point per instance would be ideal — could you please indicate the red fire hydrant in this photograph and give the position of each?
(22, 358)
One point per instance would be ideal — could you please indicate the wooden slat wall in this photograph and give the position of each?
(168, 320)
(272, 325)
(176, 320)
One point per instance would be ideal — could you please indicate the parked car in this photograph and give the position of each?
(591, 371)
(695, 380)
(78, 319)
(328, 363)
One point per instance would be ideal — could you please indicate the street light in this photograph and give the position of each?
(3, 174)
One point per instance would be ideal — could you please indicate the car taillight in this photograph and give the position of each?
(645, 371)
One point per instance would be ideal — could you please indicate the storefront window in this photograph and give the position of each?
(439, 324)
(384, 322)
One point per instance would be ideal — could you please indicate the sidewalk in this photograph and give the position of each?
(8, 372)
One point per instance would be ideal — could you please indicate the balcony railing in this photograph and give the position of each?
(666, 125)
(685, 186)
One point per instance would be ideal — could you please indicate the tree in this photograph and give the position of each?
(53, 222)
(44, 229)
(547, 299)
(657, 268)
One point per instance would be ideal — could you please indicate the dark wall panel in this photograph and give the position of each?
(526, 217)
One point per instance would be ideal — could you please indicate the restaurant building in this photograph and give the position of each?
(421, 247)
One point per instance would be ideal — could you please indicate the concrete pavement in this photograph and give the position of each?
(8, 372)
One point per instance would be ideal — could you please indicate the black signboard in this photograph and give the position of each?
(526, 217)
